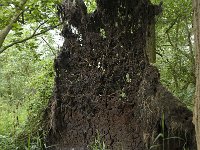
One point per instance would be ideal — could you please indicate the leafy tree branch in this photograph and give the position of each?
(4, 32)
(2, 49)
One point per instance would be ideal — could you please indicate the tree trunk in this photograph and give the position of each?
(106, 88)
(196, 119)
(151, 43)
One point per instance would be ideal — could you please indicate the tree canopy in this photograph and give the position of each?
(25, 20)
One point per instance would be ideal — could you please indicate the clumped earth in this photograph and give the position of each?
(105, 84)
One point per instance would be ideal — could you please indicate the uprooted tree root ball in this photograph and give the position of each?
(105, 85)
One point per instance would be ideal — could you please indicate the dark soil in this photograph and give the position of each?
(105, 86)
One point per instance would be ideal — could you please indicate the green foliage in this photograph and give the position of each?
(26, 73)
(175, 53)
(91, 5)
(98, 143)
(37, 18)
(26, 85)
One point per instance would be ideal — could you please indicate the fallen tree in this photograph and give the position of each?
(106, 87)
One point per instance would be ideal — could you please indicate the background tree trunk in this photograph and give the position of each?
(196, 6)
(106, 88)
(151, 43)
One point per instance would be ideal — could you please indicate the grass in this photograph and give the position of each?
(17, 129)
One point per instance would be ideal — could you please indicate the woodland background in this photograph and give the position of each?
(28, 52)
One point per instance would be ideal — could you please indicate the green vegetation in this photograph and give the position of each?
(98, 143)
(26, 65)
(26, 72)
(175, 52)
(26, 86)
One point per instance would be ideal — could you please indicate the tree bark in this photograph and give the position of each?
(105, 86)
(151, 43)
(196, 119)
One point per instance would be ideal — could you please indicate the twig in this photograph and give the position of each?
(29, 37)
(52, 49)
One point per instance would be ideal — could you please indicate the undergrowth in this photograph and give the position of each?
(21, 126)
